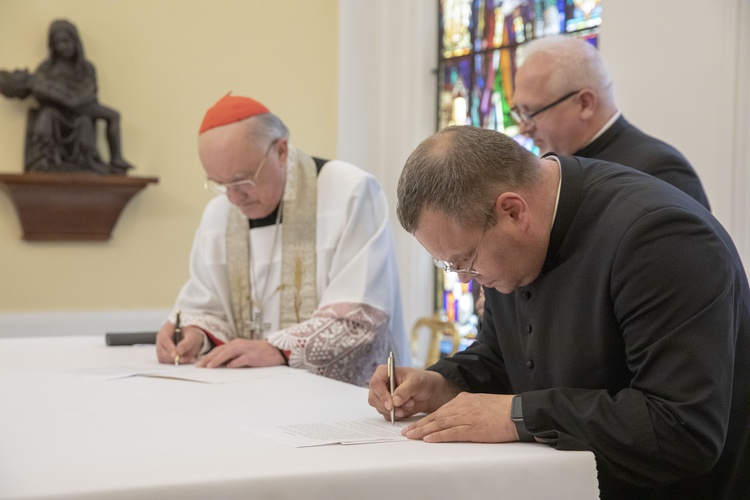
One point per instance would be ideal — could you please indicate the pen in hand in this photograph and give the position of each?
(177, 337)
(392, 383)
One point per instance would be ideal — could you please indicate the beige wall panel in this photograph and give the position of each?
(161, 64)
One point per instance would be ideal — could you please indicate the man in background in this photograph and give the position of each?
(293, 262)
(563, 100)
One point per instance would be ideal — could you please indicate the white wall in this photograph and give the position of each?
(680, 69)
(740, 195)
(47, 324)
(387, 96)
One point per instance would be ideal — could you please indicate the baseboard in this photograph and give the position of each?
(47, 323)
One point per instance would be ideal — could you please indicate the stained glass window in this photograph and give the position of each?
(479, 40)
(478, 43)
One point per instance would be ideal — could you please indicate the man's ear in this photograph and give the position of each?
(512, 212)
(511, 205)
(282, 146)
(589, 103)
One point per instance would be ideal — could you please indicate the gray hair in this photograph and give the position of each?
(574, 64)
(266, 128)
(460, 171)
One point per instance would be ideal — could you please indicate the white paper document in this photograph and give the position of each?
(181, 372)
(375, 430)
(219, 375)
(111, 372)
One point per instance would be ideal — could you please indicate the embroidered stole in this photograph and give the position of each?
(298, 287)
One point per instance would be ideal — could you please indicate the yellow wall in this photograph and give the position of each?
(161, 64)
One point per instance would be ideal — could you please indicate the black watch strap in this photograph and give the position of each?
(516, 415)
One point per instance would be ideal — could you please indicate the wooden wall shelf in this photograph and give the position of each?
(70, 206)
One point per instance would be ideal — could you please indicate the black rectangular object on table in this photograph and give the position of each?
(130, 338)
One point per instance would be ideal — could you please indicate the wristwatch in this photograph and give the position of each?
(516, 415)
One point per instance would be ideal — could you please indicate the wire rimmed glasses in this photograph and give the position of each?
(449, 267)
(520, 116)
(220, 188)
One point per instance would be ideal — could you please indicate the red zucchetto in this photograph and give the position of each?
(230, 109)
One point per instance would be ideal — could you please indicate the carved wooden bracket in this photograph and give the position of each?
(70, 206)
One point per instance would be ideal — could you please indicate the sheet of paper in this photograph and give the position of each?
(220, 375)
(111, 372)
(181, 372)
(375, 430)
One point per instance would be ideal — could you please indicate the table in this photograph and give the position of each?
(63, 435)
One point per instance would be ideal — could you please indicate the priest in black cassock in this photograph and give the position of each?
(616, 320)
(564, 100)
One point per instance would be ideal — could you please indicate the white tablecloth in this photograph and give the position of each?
(65, 435)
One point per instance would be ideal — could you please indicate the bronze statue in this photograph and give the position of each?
(61, 131)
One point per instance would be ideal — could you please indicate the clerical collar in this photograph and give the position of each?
(559, 184)
(606, 126)
(268, 220)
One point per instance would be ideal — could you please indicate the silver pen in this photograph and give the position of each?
(392, 383)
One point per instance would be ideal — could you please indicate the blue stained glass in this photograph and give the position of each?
(583, 14)
(475, 83)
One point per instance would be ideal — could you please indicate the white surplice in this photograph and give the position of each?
(359, 316)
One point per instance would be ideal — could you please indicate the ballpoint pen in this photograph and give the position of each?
(177, 337)
(392, 383)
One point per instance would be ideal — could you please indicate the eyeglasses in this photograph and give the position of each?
(449, 267)
(220, 188)
(519, 116)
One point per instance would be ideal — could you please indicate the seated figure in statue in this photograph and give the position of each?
(61, 133)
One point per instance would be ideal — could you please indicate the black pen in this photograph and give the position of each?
(177, 337)
(392, 383)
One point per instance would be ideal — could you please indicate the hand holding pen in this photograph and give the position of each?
(419, 391)
(177, 337)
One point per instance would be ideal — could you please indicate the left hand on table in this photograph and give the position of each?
(480, 418)
(239, 353)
